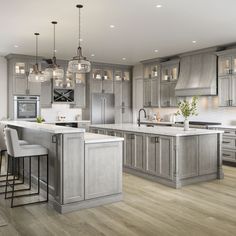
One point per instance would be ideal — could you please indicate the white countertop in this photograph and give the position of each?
(224, 126)
(67, 121)
(100, 138)
(157, 122)
(50, 128)
(159, 130)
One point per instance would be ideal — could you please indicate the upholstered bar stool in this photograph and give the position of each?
(3, 150)
(15, 152)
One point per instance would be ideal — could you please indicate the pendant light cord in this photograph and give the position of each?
(54, 40)
(36, 34)
(79, 26)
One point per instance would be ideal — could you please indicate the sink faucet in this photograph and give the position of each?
(145, 115)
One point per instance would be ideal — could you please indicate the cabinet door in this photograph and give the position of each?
(126, 93)
(96, 86)
(118, 93)
(138, 161)
(233, 64)
(147, 93)
(34, 88)
(173, 98)
(46, 94)
(151, 155)
(165, 95)
(128, 149)
(126, 114)
(80, 95)
(224, 65)
(107, 86)
(20, 85)
(155, 92)
(118, 115)
(224, 91)
(233, 90)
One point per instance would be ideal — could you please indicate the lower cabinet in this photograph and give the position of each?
(158, 156)
(103, 173)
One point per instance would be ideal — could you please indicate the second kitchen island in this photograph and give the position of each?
(169, 155)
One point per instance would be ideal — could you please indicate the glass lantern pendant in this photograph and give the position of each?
(79, 64)
(36, 75)
(54, 71)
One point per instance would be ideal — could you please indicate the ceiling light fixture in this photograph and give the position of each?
(123, 58)
(112, 26)
(159, 6)
(53, 71)
(79, 64)
(16, 46)
(194, 41)
(36, 75)
(155, 50)
(92, 55)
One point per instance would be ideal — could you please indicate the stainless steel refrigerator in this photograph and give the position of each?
(103, 108)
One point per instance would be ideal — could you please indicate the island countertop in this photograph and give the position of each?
(99, 138)
(158, 130)
(50, 128)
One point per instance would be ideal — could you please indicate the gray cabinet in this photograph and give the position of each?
(147, 92)
(159, 156)
(46, 94)
(80, 95)
(134, 154)
(167, 92)
(123, 115)
(123, 92)
(224, 91)
(155, 92)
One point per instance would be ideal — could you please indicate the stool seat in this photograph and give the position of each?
(23, 142)
(31, 150)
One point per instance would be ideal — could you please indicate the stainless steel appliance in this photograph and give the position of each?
(26, 107)
(103, 108)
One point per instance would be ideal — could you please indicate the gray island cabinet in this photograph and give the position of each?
(169, 155)
(85, 170)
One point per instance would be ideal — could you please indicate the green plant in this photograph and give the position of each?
(187, 108)
(40, 119)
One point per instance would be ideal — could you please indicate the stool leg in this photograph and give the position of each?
(23, 169)
(1, 161)
(8, 167)
(47, 178)
(13, 184)
(29, 173)
(38, 175)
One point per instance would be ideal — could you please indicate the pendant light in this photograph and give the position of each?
(36, 75)
(79, 64)
(54, 71)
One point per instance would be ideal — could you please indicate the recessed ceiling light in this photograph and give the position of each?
(123, 58)
(155, 50)
(92, 55)
(194, 41)
(112, 26)
(16, 46)
(158, 6)
(81, 40)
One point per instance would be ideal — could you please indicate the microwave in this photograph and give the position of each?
(26, 107)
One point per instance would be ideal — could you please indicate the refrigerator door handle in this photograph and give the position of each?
(104, 111)
(102, 121)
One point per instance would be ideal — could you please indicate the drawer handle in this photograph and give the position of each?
(226, 155)
(227, 132)
(226, 142)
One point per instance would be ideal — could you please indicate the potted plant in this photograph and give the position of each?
(40, 119)
(187, 109)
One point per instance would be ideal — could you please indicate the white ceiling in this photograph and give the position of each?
(140, 27)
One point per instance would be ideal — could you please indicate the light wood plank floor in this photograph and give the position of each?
(148, 209)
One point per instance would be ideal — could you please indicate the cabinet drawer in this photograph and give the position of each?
(228, 155)
(228, 142)
(228, 132)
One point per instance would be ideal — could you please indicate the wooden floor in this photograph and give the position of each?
(148, 209)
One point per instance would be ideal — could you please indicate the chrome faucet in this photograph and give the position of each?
(145, 115)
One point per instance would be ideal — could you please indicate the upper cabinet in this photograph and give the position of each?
(151, 70)
(170, 71)
(227, 78)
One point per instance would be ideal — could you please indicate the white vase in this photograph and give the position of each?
(186, 125)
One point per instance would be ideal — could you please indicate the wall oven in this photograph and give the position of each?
(26, 107)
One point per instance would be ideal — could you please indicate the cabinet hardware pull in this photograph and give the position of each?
(226, 142)
(226, 155)
(156, 139)
(227, 132)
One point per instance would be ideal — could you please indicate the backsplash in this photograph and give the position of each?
(51, 114)
(208, 110)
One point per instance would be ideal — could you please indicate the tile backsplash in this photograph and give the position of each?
(51, 114)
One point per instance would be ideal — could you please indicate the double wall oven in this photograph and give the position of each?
(26, 107)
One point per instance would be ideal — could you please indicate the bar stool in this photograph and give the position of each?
(3, 150)
(15, 152)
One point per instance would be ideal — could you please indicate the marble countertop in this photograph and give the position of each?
(224, 126)
(157, 122)
(158, 130)
(50, 128)
(100, 138)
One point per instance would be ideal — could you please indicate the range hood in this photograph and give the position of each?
(198, 75)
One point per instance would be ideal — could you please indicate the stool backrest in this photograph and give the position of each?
(12, 142)
(2, 139)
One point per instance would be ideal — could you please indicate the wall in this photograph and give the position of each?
(3, 87)
(51, 114)
(208, 109)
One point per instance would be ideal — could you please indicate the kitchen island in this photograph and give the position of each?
(85, 170)
(169, 155)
